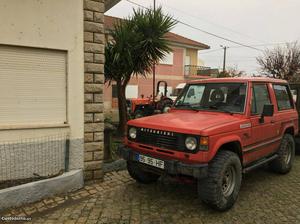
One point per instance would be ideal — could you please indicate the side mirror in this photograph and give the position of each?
(268, 111)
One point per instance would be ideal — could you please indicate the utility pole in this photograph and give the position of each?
(153, 68)
(224, 59)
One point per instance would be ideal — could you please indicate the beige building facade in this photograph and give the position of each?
(51, 86)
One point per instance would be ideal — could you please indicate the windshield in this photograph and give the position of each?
(223, 97)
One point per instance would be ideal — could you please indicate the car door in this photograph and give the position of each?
(264, 136)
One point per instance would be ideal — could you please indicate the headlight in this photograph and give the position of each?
(191, 143)
(132, 133)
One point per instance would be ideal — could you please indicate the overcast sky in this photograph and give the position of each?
(251, 22)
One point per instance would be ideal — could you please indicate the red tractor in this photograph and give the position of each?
(141, 107)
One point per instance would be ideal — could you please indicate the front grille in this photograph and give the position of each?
(161, 139)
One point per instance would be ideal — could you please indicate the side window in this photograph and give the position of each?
(283, 98)
(260, 97)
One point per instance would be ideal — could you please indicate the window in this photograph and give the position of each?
(131, 91)
(114, 91)
(222, 97)
(187, 60)
(260, 97)
(32, 86)
(168, 59)
(284, 101)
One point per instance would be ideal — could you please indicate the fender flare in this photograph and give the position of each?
(225, 140)
(287, 126)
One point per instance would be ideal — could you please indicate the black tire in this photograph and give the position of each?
(138, 114)
(286, 155)
(220, 190)
(140, 175)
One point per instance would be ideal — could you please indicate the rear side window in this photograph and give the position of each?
(260, 97)
(283, 98)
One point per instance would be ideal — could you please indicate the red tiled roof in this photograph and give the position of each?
(109, 22)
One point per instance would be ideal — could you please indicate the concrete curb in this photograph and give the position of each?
(117, 165)
(35, 191)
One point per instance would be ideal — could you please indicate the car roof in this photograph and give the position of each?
(239, 79)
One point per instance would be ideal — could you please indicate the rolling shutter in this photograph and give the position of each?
(32, 86)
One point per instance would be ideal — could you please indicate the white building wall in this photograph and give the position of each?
(55, 24)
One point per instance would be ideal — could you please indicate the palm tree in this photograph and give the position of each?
(138, 43)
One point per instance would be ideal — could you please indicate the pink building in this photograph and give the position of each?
(178, 66)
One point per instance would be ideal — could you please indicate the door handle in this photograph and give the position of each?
(272, 121)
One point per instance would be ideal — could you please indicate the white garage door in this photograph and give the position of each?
(32, 86)
(131, 91)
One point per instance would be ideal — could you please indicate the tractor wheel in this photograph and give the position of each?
(138, 114)
(166, 108)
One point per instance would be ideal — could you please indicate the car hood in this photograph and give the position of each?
(186, 121)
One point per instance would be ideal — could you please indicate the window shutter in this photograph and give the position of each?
(32, 86)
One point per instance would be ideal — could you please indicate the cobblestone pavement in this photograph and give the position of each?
(265, 197)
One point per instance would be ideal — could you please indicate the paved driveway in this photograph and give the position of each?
(264, 198)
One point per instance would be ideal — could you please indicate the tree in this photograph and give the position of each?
(281, 62)
(231, 72)
(138, 43)
(235, 72)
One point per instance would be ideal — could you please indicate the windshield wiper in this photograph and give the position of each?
(214, 107)
(186, 106)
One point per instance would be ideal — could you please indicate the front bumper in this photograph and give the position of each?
(173, 167)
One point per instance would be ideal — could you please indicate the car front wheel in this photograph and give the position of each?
(220, 189)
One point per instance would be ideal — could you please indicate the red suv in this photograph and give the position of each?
(217, 130)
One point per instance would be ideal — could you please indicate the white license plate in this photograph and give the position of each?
(151, 161)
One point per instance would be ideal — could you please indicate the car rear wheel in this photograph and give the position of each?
(220, 189)
(286, 154)
(140, 175)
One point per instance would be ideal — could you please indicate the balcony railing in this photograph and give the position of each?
(194, 70)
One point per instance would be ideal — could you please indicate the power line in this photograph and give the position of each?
(215, 24)
(134, 3)
(203, 31)
(266, 44)
(256, 45)
(220, 37)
